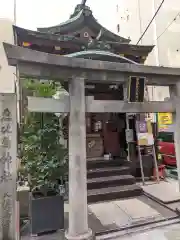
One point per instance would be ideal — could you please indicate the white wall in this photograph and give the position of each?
(167, 47)
(7, 73)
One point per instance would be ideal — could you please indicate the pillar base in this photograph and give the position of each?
(86, 236)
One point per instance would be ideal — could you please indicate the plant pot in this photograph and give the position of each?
(46, 214)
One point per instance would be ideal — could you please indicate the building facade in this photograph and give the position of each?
(133, 16)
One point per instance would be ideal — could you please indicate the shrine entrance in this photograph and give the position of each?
(105, 132)
(109, 128)
(105, 135)
(114, 135)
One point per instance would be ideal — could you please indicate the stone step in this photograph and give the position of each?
(108, 171)
(101, 163)
(119, 180)
(112, 193)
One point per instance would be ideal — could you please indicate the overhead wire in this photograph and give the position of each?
(174, 19)
(150, 22)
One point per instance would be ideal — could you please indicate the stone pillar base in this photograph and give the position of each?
(85, 236)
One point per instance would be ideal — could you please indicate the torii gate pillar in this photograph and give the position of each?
(78, 210)
(175, 93)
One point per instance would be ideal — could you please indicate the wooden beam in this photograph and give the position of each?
(16, 54)
(99, 106)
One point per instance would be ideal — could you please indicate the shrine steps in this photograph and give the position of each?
(108, 171)
(110, 180)
(113, 193)
(101, 163)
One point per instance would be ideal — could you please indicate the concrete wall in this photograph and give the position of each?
(168, 43)
(7, 73)
(167, 47)
(134, 16)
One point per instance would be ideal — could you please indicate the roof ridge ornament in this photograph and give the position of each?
(83, 2)
(80, 7)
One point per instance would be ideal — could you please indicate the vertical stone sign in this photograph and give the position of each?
(8, 146)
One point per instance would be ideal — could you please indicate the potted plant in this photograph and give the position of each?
(45, 162)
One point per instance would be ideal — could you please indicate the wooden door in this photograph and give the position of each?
(111, 138)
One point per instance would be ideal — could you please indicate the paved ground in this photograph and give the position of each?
(124, 213)
(165, 233)
(171, 232)
(118, 214)
(159, 191)
(115, 215)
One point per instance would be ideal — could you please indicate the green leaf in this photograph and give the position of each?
(44, 159)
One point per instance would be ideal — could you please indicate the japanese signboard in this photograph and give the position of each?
(165, 118)
(144, 133)
(142, 127)
(165, 122)
(136, 89)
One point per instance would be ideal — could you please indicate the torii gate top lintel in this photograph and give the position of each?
(39, 64)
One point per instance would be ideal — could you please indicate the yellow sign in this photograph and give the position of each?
(26, 44)
(165, 119)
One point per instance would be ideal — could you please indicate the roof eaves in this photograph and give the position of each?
(53, 29)
(108, 32)
(83, 54)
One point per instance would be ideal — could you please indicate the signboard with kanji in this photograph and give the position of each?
(165, 122)
(136, 89)
(144, 133)
(165, 118)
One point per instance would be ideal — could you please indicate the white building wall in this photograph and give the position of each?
(168, 43)
(140, 13)
(167, 47)
(7, 73)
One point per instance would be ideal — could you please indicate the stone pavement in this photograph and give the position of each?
(165, 191)
(124, 213)
(115, 215)
(171, 232)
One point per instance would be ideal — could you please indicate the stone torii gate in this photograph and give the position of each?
(77, 72)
